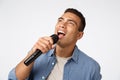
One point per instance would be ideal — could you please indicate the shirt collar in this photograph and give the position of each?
(74, 57)
(51, 52)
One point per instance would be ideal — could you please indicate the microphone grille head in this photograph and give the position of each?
(55, 38)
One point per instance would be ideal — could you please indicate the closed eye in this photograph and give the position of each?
(72, 22)
(60, 19)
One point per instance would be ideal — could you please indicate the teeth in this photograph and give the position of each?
(61, 32)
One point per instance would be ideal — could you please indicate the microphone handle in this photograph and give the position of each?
(29, 60)
(38, 52)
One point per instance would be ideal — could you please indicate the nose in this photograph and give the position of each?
(63, 25)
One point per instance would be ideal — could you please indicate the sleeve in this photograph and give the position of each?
(11, 75)
(96, 72)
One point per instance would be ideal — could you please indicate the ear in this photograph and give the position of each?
(80, 35)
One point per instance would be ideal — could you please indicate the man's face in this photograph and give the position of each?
(67, 28)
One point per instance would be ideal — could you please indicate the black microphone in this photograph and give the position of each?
(38, 52)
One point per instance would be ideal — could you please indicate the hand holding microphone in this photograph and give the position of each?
(43, 45)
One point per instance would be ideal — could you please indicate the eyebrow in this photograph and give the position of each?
(60, 18)
(68, 20)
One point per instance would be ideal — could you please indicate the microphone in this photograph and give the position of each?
(38, 52)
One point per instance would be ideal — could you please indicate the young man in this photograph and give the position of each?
(63, 61)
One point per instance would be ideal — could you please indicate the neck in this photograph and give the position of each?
(64, 52)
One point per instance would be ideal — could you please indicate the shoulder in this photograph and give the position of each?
(86, 60)
(90, 65)
(85, 64)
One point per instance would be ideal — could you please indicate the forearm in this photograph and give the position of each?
(22, 71)
(44, 44)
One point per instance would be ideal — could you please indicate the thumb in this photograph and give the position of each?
(53, 46)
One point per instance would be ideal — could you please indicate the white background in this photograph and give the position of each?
(22, 22)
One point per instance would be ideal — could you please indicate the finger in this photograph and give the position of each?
(46, 42)
(41, 48)
(49, 38)
(43, 44)
(53, 46)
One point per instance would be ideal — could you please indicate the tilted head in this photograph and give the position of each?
(80, 15)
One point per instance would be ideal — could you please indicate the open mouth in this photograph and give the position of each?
(61, 34)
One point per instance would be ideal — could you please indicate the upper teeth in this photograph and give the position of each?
(61, 32)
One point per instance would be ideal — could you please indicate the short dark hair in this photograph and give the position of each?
(80, 15)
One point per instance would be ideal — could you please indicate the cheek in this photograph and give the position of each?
(74, 33)
(72, 30)
(56, 27)
(55, 31)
